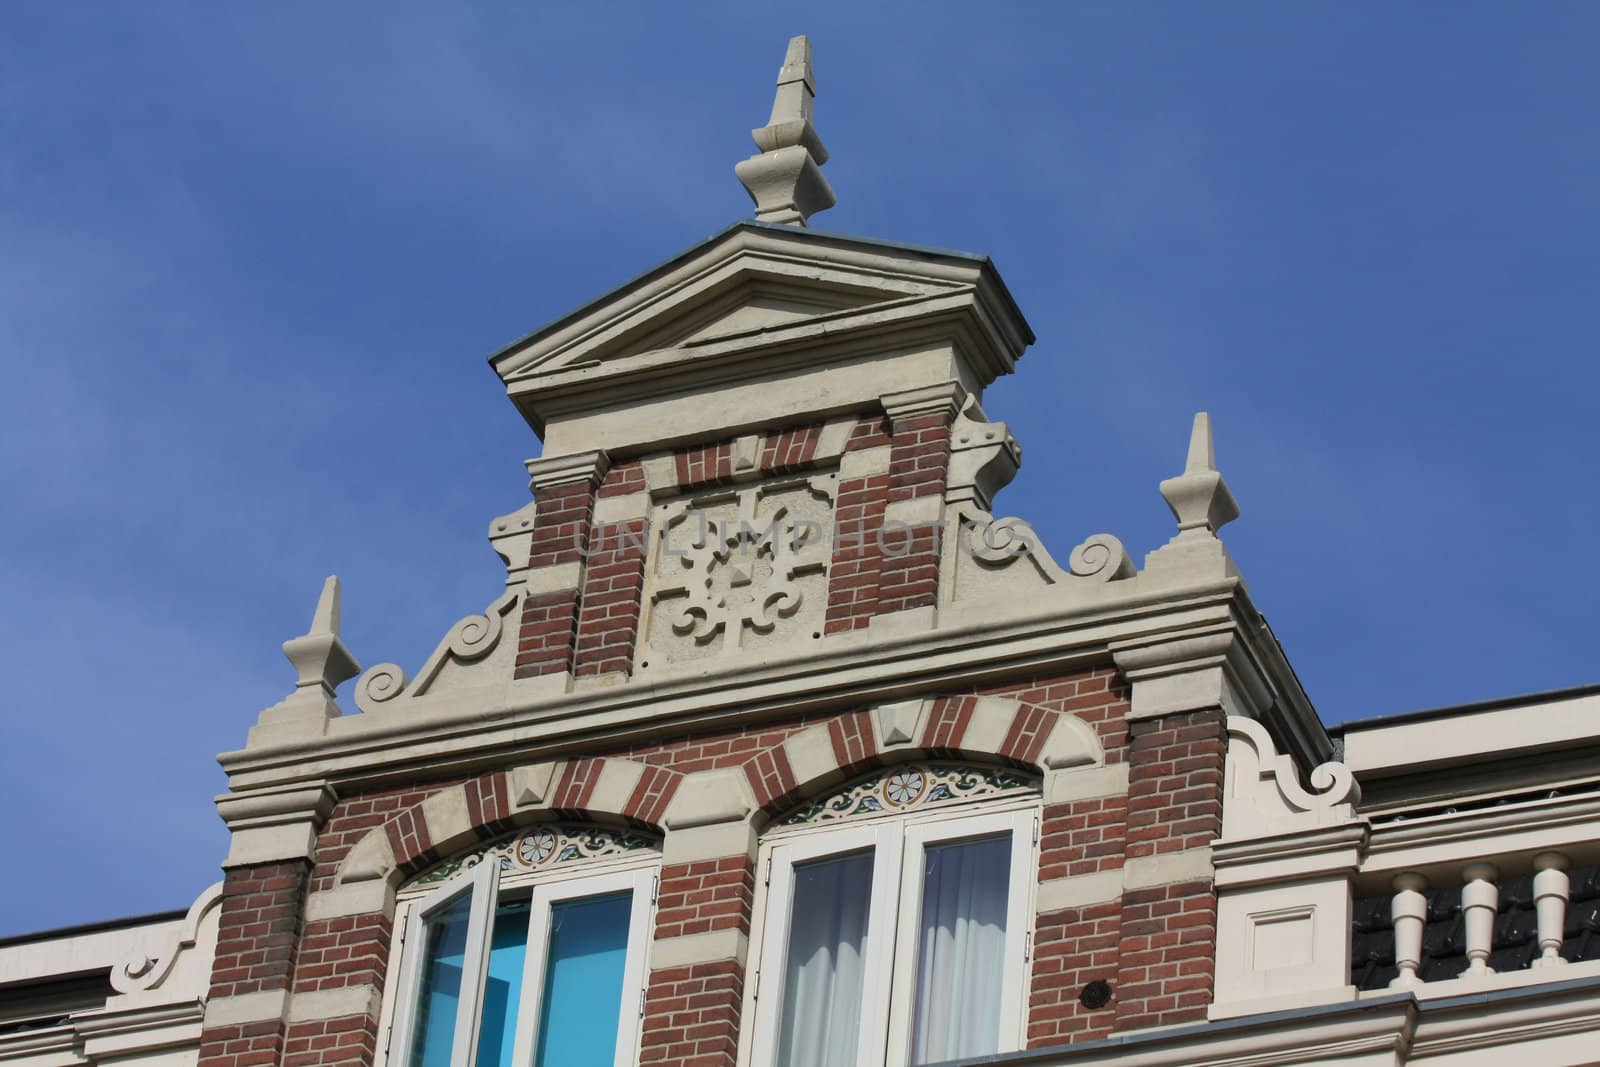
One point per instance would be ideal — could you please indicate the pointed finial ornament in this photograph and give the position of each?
(785, 180)
(318, 655)
(1199, 498)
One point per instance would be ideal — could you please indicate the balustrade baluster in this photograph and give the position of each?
(1551, 891)
(1409, 910)
(1480, 900)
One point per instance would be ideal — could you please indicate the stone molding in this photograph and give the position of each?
(275, 823)
(860, 668)
(578, 468)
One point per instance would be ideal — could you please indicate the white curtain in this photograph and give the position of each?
(961, 951)
(822, 978)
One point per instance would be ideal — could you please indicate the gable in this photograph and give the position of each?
(754, 300)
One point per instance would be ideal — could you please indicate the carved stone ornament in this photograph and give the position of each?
(1005, 557)
(471, 639)
(1262, 794)
(733, 567)
(542, 847)
(180, 965)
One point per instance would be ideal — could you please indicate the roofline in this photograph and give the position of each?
(1399, 718)
(755, 224)
(1418, 1008)
(102, 926)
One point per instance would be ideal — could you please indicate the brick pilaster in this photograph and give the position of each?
(1174, 810)
(613, 575)
(258, 932)
(564, 488)
(691, 1012)
(918, 464)
(853, 574)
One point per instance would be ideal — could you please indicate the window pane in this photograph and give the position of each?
(822, 975)
(444, 952)
(583, 982)
(503, 989)
(961, 950)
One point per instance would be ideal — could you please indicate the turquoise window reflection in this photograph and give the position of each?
(445, 955)
(583, 982)
(503, 989)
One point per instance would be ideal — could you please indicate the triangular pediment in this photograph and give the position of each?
(745, 301)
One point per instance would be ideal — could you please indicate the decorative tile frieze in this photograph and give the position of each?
(542, 847)
(910, 787)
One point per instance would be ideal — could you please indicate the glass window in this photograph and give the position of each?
(551, 974)
(897, 941)
(586, 966)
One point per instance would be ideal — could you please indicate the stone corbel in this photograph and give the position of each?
(578, 468)
(511, 537)
(945, 399)
(984, 457)
(276, 824)
(1192, 671)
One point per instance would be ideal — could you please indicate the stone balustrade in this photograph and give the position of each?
(1487, 924)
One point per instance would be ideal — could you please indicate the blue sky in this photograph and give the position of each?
(253, 257)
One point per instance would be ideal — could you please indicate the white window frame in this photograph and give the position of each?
(890, 963)
(1019, 921)
(600, 877)
(482, 883)
(883, 839)
(630, 1007)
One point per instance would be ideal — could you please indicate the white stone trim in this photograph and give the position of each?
(554, 578)
(1085, 783)
(254, 845)
(245, 1008)
(614, 788)
(446, 816)
(865, 463)
(576, 468)
(338, 1003)
(712, 841)
(833, 436)
(810, 754)
(660, 472)
(371, 857)
(531, 783)
(621, 507)
(1148, 872)
(351, 898)
(991, 720)
(1059, 894)
(710, 797)
(708, 947)
(917, 511)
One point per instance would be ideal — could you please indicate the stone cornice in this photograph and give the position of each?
(981, 644)
(1239, 664)
(1437, 846)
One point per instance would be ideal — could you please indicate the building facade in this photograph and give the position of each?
(780, 748)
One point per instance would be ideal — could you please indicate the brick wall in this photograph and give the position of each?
(854, 575)
(1152, 945)
(919, 460)
(258, 934)
(1174, 805)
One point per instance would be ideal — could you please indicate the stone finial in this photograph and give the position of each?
(322, 662)
(1199, 498)
(319, 655)
(785, 180)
